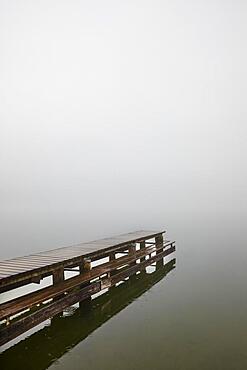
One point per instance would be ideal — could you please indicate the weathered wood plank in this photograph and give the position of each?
(24, 264)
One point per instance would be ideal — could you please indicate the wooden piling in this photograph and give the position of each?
(112, 257)
(159, 243)
(132, 250)
(142, 246)
(57, 278)
(85, 266)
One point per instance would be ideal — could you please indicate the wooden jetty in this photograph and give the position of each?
(98, 265)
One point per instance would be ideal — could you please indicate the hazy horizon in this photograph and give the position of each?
(119, 116)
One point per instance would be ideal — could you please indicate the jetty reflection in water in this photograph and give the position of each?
(50, 343)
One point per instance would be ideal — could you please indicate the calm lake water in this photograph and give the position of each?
(117, 116)
(189, 314)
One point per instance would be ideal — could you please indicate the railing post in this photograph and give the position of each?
(57, 278)
(112, 257)
(132, 250)
(85, 266)
(159, 243)
(142, 246)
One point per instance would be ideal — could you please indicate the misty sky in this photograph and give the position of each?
(119, 115)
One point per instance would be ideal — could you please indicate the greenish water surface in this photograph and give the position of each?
(188, 314)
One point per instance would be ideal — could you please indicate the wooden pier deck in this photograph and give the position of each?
(124, 259)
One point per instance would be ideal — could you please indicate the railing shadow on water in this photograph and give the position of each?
(50, 343)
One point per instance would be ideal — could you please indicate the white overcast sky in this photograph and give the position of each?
(116, 114)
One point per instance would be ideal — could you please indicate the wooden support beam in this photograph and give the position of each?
(57, 278)
(142, 246)
(112, 257)
(36, 279)
(132, 251)
(159, 243)
(84, 267)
